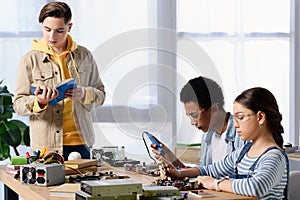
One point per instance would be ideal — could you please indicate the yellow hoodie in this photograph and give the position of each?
(72, 136)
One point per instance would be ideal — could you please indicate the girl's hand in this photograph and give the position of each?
(206, 181)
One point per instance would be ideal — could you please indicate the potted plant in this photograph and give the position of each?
(13, 132)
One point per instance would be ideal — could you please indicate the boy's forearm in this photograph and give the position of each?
(178, 163)
(189, 172)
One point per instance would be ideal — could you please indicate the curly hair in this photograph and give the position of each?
(203, 91)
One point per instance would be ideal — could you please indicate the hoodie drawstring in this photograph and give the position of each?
(75, 68)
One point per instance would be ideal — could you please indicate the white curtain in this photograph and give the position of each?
(248, 41)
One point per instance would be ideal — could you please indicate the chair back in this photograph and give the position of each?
(293, 188)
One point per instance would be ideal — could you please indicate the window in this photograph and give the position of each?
(248, 41)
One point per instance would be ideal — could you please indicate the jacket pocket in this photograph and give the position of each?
(84, 70)
(85, 75)
(42, 78)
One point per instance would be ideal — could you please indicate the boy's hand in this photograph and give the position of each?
(45, 94)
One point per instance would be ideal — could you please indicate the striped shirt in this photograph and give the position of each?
(267, 181)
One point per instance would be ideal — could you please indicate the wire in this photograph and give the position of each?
(74, 68)
(75, 169)
(52, 158)
(147, 147)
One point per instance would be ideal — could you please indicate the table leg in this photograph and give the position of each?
(9, 194)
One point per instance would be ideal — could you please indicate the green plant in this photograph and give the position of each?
(13, 132)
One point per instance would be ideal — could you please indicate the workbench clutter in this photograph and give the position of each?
(126, 189)
(48, 168)
(44, 169)
(109, 186)
(113, 155)
(84, 179)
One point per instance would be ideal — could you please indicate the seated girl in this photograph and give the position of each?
(260, 168)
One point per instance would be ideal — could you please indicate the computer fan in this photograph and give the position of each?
(98, 154)
(28, 175)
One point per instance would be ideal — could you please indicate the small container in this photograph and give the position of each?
(122, 153)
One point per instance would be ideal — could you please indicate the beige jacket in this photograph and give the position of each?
(46, 127)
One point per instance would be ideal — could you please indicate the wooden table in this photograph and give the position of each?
(30, 192)
(295, 156)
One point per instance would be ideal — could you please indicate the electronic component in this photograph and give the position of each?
(88, 176)
(84, 196)
(154, 191)
(150, 169)
(111, 187)
(80, 195)
(121, 163)
(28, 174)
(97, 154)
(42, 174)
(182, 185)
(162, 198)
(200, 194)
(112, 155)
(151, 192)
(163, 168)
